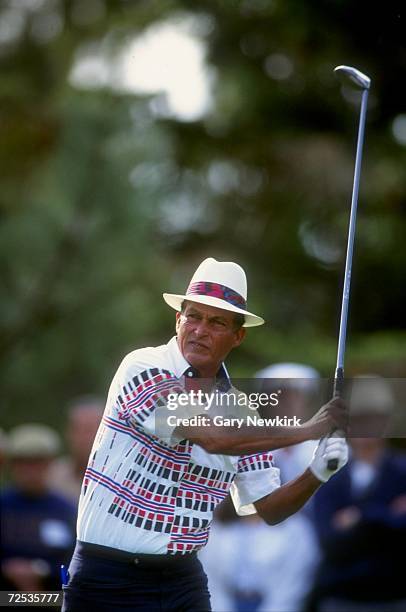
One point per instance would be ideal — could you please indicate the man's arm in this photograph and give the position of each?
(287, 499)
(290, 497)
(249, 440)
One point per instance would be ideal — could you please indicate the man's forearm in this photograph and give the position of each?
(287, 499)
(246, 440)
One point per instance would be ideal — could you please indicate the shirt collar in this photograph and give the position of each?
(182, 367)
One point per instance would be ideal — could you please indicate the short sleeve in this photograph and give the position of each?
(256, 477)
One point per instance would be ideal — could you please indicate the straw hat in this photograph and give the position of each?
(222, 284)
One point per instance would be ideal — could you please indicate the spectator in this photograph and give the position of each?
(253, 567)
(38, 526)
(360, 517)
(66, 473)
(299, 384)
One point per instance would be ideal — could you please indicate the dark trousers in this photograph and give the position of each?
(109, 585)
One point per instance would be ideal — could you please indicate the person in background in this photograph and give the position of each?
(37, 525)
(360, 516)
(66, 473)
(299, 384)
(254, 567)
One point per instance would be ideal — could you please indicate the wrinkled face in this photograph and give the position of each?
(206, 335)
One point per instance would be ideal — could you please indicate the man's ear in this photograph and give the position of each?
(178, 316)
(239, 336)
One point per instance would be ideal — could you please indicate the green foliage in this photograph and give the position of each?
(104, 204)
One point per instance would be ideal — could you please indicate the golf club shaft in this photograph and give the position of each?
(339, 373)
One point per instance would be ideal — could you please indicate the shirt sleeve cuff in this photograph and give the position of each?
(248, 487)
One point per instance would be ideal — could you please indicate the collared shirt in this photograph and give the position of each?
(150, 493)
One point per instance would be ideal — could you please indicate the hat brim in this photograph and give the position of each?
(175, 301)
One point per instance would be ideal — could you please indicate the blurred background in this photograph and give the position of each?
(138, 137)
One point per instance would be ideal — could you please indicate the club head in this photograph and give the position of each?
(355, 76)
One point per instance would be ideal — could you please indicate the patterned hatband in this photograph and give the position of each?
(218, 291)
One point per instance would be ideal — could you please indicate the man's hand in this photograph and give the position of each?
(23, 574)
(328, 448)
(331, 416)
(346, 518)
(398, 505)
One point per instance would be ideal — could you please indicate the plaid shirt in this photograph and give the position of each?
(149, 493)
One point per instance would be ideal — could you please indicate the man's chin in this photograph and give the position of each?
(197, 360)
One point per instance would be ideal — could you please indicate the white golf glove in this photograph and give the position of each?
(328, 448)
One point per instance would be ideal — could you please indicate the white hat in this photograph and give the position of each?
(221, 284)
(33, 440)
(301, 377)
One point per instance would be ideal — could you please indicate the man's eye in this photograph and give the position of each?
(220, 323)
(192, 316)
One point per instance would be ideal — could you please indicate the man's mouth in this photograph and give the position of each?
(198, 345)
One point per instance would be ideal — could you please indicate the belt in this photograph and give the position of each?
(139, 559)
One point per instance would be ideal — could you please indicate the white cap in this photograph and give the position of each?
(33, 440)
(301, 377)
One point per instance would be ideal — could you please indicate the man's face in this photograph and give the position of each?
(206, 335)
(30, 474)
(82, 429)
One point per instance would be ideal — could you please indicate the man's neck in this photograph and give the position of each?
(210, 374)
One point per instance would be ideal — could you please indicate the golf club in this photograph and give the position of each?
(348, 73)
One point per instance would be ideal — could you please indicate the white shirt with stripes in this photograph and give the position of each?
(148, 493)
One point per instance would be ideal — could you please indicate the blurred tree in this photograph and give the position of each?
(107, 199)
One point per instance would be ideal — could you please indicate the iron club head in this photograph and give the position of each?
(354, 75)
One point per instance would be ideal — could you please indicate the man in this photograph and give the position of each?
(360, 516)
(300, 384)
(151, 484)
(37, 524)
(66, 473)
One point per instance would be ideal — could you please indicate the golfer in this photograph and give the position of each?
(151, 484)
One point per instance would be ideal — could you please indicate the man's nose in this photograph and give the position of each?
(201, 328)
